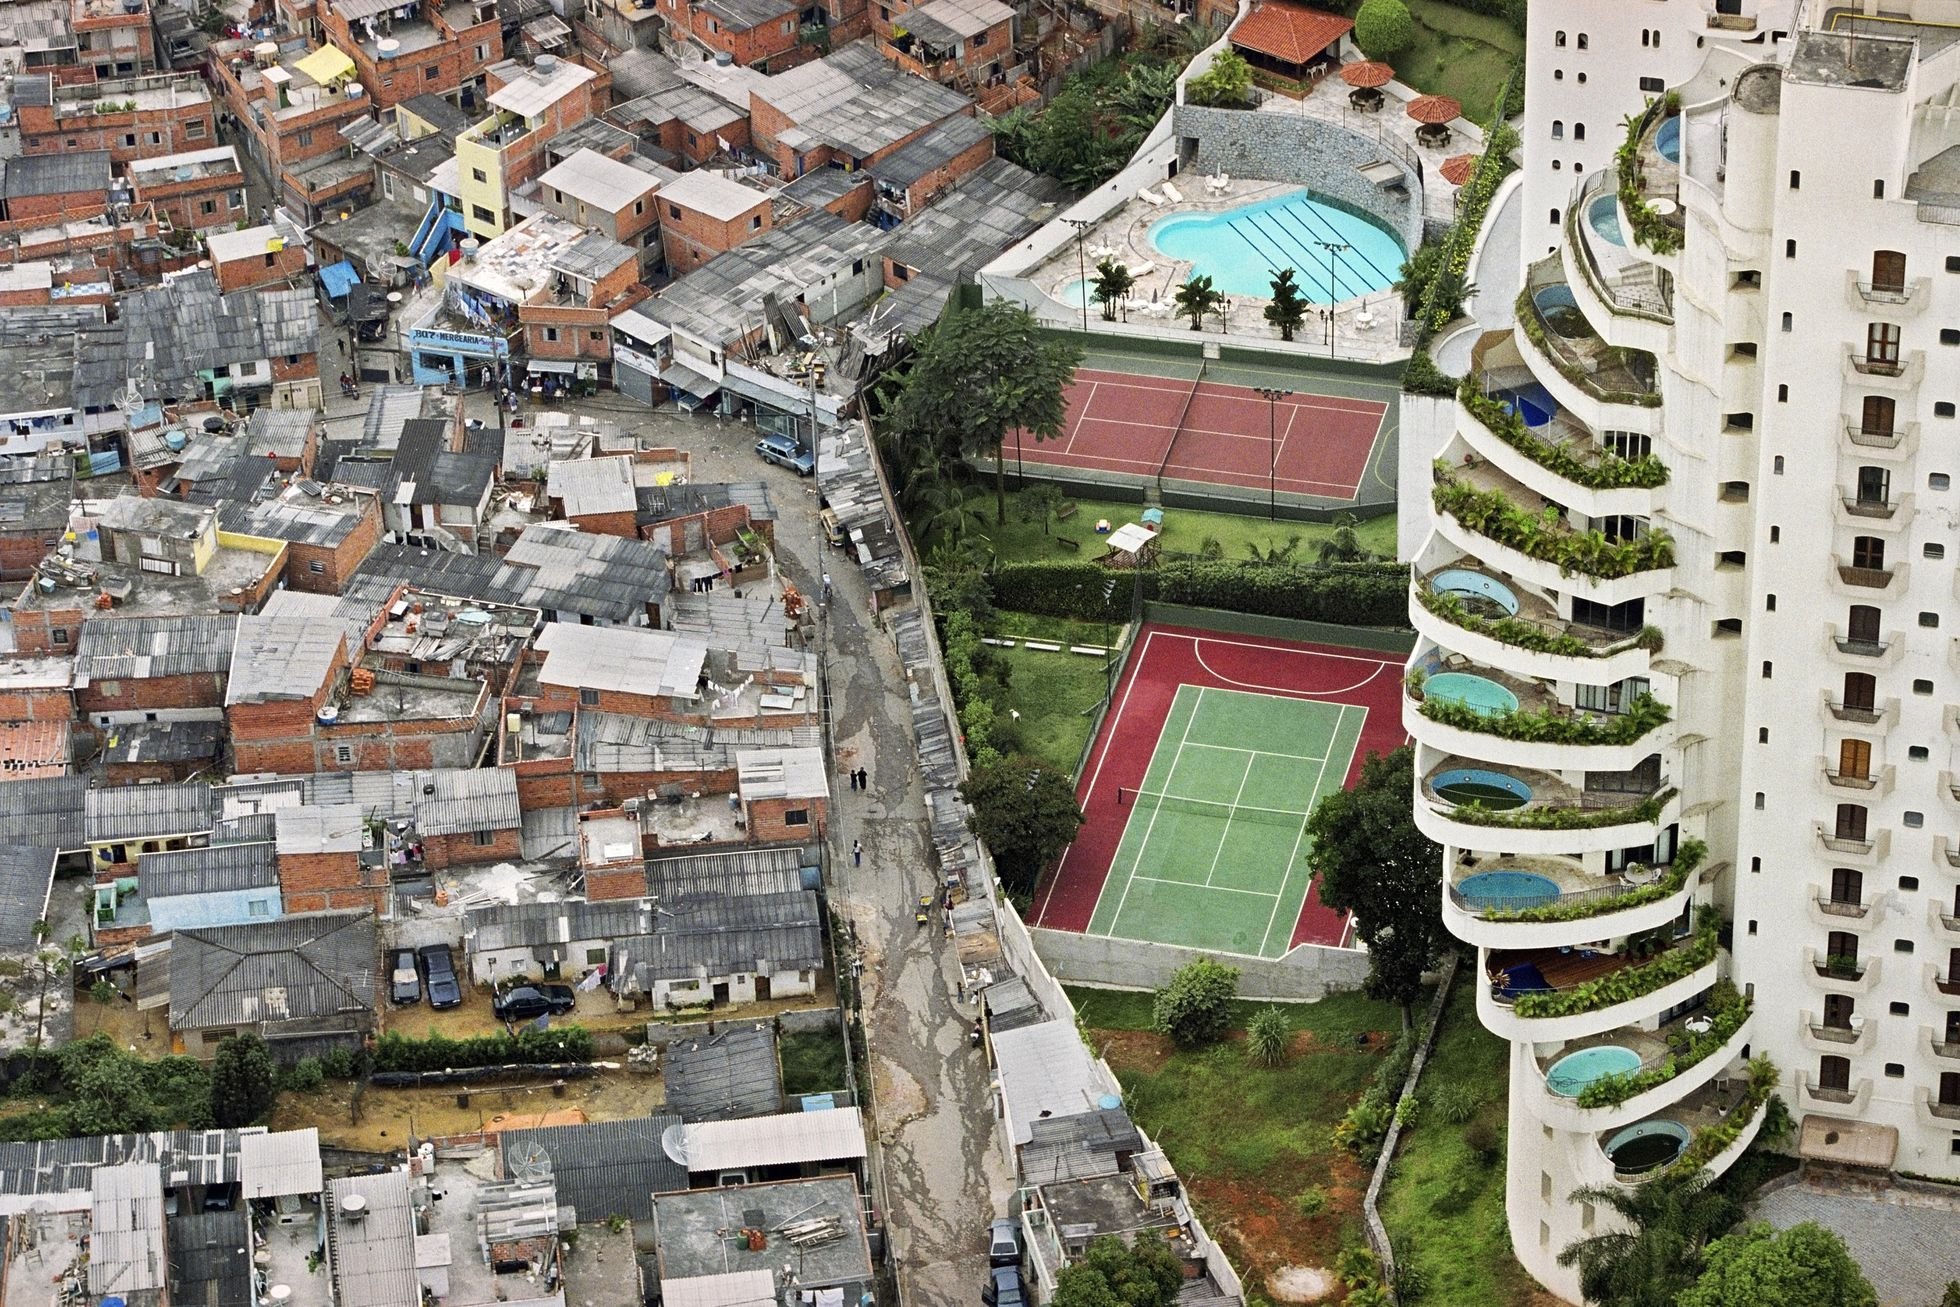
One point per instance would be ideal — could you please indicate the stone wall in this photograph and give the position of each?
(1306, 974)
(1289, 148)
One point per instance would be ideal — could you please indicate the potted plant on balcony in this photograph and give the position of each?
(1415, 680)
(1844, 966)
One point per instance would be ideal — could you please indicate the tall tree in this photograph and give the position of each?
(1289, 307)
(1111, 1273)
(1026, 811)
(1196, 300)
(1373, 862)
(242, 1081)
(1653, 1254)
(978, 375)
(1803, 1266)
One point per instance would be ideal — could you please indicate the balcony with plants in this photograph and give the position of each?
(1521, 901)
(1626, 293)
(1493, 617)
(1463, 801)
(1675, 1058)
(1467, 708)
(1487, 515)
(1649, 182)
(1561, 335)
(1842, 970)
(1547, 994)
(1722, 1118)
(1553, 453)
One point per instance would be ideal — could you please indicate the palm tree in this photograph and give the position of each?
(1343, 545)
(1289, 307)
(1273, 553)
(1655, 1252)
(1113, 282)
(1140, 98)
(1196, 300)
(948, 514)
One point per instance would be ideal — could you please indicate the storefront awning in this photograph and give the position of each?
(682, 377)
(549, 365)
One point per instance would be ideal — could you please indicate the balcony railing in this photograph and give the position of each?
(1941, 1048)
(1862, 648)
(1947, 984)
(1859, 506)
(1826, 1095)
(1635, 887)
(1946, 1111)
(1870, 578)
(1877, 367)
(1886, 293)
(1859, 434)
(1843, 843)
(1864, 716)
(1850, 780)
(1835, 1034)
(1842, 907)
(1840, 967)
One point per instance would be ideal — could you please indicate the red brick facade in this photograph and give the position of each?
(321, 882)
(441, 852)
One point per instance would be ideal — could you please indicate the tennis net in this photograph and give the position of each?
(1147, 801)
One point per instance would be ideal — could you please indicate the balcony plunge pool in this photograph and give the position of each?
(1507, 891)
(1480, 785)
(1479, 694)
(1647, 1146)
(1569, 1076)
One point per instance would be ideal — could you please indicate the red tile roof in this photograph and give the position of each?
(1293, 34)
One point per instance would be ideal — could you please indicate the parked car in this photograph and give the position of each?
(833, 530)
(439, 971)
(783, 451)
(1004, 1288)
(1004, 1243)
(528, 1002)
(404, 981)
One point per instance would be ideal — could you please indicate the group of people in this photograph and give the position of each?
(860, 779)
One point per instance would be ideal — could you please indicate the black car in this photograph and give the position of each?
(439, 970)
(404, 981)
(1004, 1288)
(528, 1002)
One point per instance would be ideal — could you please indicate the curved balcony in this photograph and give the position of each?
(1484, 514)
(1541, 814)
(1578, 907)
(1533, 640)
(1712, 1107)
(1562, 994)
(1558, 459)
(1627, 296)
(1541, 733)
(1558, 332)
(1685, 1039)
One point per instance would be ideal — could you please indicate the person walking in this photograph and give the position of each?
(864, 779)
(857, 853)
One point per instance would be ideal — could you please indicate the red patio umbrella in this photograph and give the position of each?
(1458, 167)
(1372, 73)
(1434, 109)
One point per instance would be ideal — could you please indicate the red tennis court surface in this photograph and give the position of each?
(1211, 432)
(1165, 658)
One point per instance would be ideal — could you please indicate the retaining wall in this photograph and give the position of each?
(1306, 974)
(1281, 628)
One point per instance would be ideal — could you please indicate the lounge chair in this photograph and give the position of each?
(1149, 196)
(1173, 193)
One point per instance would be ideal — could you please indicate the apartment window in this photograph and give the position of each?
(1874, 485)
(1558, 40)
(1789, 321)
(1762, 735)
(343, 753)
(588, 698)
(1882, 343)
(1855, 759)
(1796, 180)
(194, 130)
(1868, 551)
(1558, 130)
(1860, 692)
(258, 908)
(551, 334)
(316, 567)
(129, 140)
(796, 817)
(60, 636)
(1782, 394)
(789, 25)
(1769, 603)
(1918, 753)
(1558, 74)
(1839, 1007)
(1851, 821)
(1789, 249)
(639, 207)
(1899, 1009)
(482, 53)
(1769, 669)
(1834, 1073)
(755, 223)
(484, 838)
(1943, 408)
(1888, 270)
(1847, 886)
(1878, 190)
(1582, 40)
(1876, 415)
(1762, 801)
(1934, 549)
(1912, 819)
(1776, 465)
(1922, 686)
(1652, 85)
(674, 212)
(210, 206)
(482, 214)
(479, 175)
(1578, 131)
(1950, 335)
(1902, 946)
(304, 138)
(1554, 217)
(1930, 621)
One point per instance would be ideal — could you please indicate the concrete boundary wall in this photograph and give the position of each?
(1305, 974)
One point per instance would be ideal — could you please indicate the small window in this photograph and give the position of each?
(316, 567)
(1900, 1009)
(343, 753)
(1922, 686)
(1762, 735)
(755, 223)
(674, 212)
(1931, 621)
(1914, 819)
(1902, 946)
(1917, 753)
(1938, 481)
(1558, 129)
(588, 698)
(258, 908)
(1943, 408)
(1789, 249)
(1554, 218)
(1752, 925)
(1908, 883)
(1582, 40)
(1652, 85)
(1782, 394)
(1760, 801)
(1769, 669)
(485, 838)
(1934, 549)
(1578, 131)
(1878, 190)
(1950, 335)
(1796, 179)
(1789, 322)
(1776, 465)
(1896, 1070)
(1558, 74)
(1769, 603)
(1755, 864)
(796, 817)
(1558, 40)
(60, 636)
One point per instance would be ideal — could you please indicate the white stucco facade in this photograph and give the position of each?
(1791, 354)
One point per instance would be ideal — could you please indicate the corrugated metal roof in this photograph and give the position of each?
(210, 1258)
(164, 742)
(286, 651)
(272, 1165)
(602, 1168)
(593, 485)
(1045, 1068)
(316, 965)
(613, 742)
(469, 799)
(373, 1257)
(730, 1073)
(320, 828)
(140, 648)
(126, 1256)
(215, 869)
(603, 577)
(782, 774)
(540, 925)
(785, 1139)
(136, 812)
(756, 1288)
(854, 100)
(46, 812)
(773, 870)
(632, 660)
(57, 1166)
(26, 877)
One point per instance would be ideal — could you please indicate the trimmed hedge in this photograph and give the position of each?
(1624, 985)
(1647, 810)
(392, 1052)
(1343, 594)
(1687, 861)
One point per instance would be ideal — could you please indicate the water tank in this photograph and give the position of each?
(388, 47)
(723, 59)
(355, 90)
(175, 440)
(547, 64)
(329, 714)
(353, 1207)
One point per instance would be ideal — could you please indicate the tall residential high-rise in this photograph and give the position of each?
(1686, 694)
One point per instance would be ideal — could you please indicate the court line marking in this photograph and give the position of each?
(1212, 475)
(1137, 860)
(1115, 724)
(1198, 653)
(1233, 748)
(1192, 884)
(1103, 352)
(1340, 715)
(1226, 834)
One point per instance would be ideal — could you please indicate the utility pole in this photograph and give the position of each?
(1081, 226)
(1332, 247)
(1273, 395)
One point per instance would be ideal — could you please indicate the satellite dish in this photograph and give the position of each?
(528, 1161)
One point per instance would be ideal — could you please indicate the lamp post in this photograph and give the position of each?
(1332, 247)
(1273, 396)
(1081, 226)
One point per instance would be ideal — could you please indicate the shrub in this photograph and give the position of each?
(304, 1076)
(1196, 1007)
(1643, 714)
(1607, 471)
(1687, 860)
(439, 1053)
(1423, 377)
(1363, 1127)
(1453, 1104)
(1383, 28)
(1624, 985)
(1267, 1036)
(1647, 810)
(1411, 1281)
(1484, 1141)
(1344, 594)
(1546, 536)
(1408, 1112)
(1523, 634)
(1310, 1202)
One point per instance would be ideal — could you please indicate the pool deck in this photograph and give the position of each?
(1532, 607)
(1547, 790)
(1532, 696)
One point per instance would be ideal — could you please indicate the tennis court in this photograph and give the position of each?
(1197, 792)
(1204, 425)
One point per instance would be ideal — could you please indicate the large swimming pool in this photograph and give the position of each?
(1241, 248)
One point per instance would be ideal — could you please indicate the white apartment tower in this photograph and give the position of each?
(1686, 693)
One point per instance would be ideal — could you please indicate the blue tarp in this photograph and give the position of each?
(339, 278)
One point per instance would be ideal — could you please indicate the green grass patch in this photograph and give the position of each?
(1056, 695)
(1443, 1204)
(813, 1062)
(1459, 54)
(1060, 630)
(1185, 530)
(1336, 1019)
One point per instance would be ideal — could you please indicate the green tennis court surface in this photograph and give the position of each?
(1213, 854)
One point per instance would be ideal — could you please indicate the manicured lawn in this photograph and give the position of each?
(1185, 532)
(1249, 1140)
(813, 1062)
(1444, 1205)
(1055, 693)
(1459, 54)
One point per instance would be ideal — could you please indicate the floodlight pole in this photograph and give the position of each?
(1331, 247)
(1273, 396)
(1081, 226)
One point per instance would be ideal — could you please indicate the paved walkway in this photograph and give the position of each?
(1907, 1240)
